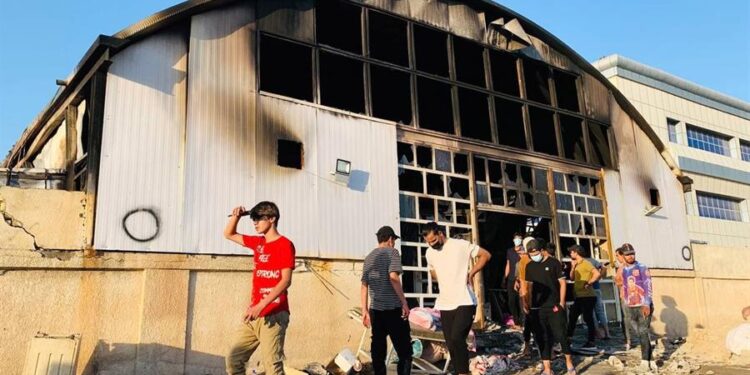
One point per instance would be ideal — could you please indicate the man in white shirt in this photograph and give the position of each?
(449, 260)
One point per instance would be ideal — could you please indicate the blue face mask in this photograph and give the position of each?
(517, 241)
(537, 258)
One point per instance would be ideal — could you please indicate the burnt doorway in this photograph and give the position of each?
(496, 231)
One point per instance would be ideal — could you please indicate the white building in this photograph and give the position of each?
(708, 135)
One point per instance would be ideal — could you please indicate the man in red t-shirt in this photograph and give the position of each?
(267, 317)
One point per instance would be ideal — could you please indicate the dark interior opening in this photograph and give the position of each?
(435, 105)
(388, 41)
(543, 130)
(571, 129)
(469, 59)
(289, 154)
(510, 129)
(504, 73)
(342, 82)
(566, 91)
(410, 180)
(338, 24)
(431, 50)
(391, 94)
(405, 153)
(424, 157)
(286, 68)
(537, 81)
(654, 197)
(474, 114)
(600, 151)
(496, 231)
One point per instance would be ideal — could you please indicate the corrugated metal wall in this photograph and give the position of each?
(220, 143)
(659, 238)
(142, 145)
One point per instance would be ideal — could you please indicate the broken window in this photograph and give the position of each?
(431, 50)
(410, 180)
(463, 213)
(495, 170)
(469, 59)
(445, 211)
(388, 40)
(458, 188)
(409, 256)
(338, 24)
(563, 223)
(510, 129)
(424, 157)
(461, 164)
(435, 185)
(571, 129)
(286, 68)
(475, 115)
(537, 75)
(504, 72)
(407, 206)
(435, 106)
(442, 161)
(479, 169)
(566, 91)
(543, 130)
(496, 196)
(427, 209)
(525, 180)
(600, 151)
(511, 174)
(391, 94)
(540, 180)
(405, 153)
(341, 82)
(289, 154)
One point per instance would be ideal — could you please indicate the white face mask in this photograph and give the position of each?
(537, 258)
(517, 241)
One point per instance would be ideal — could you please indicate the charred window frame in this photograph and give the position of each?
(511, 185)
(286, 67)
(391, 94)
(474, 115)
(537, 76)
(601, 148)
(431, 50)
(543, 130)
(566, 90)
(435, 105)
(342, 82)
(434, 185)
(511, 130)
(504, 72)
(388, 38)
(468, 61)
(573, 140)
(339, 24)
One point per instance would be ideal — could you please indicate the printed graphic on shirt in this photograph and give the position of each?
(637, 285)
(270, 259)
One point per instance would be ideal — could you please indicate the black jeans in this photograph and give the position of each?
(585, 306)
(514, 303)
(641, 325)
(456, 327)
(388, 323)
(549, 328)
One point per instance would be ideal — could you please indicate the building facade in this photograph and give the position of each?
(708, 134)
(349, 115)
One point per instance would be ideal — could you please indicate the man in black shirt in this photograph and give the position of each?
(545, 283)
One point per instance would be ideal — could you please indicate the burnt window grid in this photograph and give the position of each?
(573, 222)
(554, 89)
(593, 149)
(264, 36)
(347, 58)
(373, 16)
(324, 36)
(563, 119)
(536, 90)
(492, 78)
(458, 46)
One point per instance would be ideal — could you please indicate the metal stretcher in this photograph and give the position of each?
(419, 365)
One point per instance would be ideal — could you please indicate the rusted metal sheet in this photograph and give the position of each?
(400, 7)
(466, 21)
(294, 19)
(295, 191)
(351, 213)
(595, 99)
(431, 12)
(139, 199)
(220, 135)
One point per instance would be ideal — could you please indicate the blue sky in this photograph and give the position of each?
(706, 42)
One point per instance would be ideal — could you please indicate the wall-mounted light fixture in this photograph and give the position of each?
(343, 171)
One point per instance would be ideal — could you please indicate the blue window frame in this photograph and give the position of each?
(718, 207)
(707, 140)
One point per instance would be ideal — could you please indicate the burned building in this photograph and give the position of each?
(350, 115)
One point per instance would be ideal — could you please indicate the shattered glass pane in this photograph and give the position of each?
(563, 223)
(407, 206)
(564, 202)
(460, 163)
(576, 225)
(572, 182)
(601, 229)
(580, 203)
(583, 185)
(443, 160)
(528, 199)
(588, 225)
(460, 233)
(559, 180)
(482, 195)
(445, 211)
(540, 179)
(525, 180)
(495, 170)
(435, 184)
(424, 157)
(497, 196)
(427, 209)
(405, 153)
(512, 198)
(594, 190)
(463, 213)
(458, 187)
(410, 180)
(511, 174)
(479, 172)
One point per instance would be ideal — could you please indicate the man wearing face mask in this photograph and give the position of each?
(545, 284)
(512, 257)
(449, 260)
